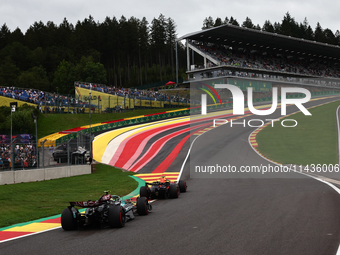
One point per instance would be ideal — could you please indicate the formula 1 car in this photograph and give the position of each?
(163, 188)
(108, 210)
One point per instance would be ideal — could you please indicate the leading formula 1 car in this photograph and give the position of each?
(108, 210)
(162, 188)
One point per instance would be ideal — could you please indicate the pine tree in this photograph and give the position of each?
(208, 23)
(248, 23)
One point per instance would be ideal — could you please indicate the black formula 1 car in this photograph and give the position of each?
(108, 210)
(163, 188)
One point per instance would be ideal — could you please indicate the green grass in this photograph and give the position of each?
(52, 123)
(29, 201)
(312, 141)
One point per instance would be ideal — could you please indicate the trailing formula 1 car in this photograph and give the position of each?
(108, 210)
(162, 188)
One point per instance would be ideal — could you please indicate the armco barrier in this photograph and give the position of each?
(42, 174)
(123, 122)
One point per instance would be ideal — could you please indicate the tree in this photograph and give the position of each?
(277, 27)
(289, 26)
(86, 37)
(143, 37)
(268, 27)
(4, 34)
(208, 23)
(309, 33)
(95, 72)
(16, 36)
(9, 73)
(233, 21)
(328, 36)
(248, 23)
(5, 111)
(109, 37)
(36, 35)
(64, 78)
(337, 37)
(157, 39)
(35, 77)
(65, 34)
(218, 22)
(22, 122)
(18, 53)
(89, 71)
(132, 49)
(318, 34)
(126, 48)
(170, 41)
(37, 57)
(226, 21)
(257, 27)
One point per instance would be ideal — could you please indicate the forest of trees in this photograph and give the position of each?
(122, 53)
(288, 27)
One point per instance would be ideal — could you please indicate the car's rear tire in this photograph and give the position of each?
(143, 192)
(173, 191)
(182, 186)
(142, 206)
(68, 222)
(116, 217)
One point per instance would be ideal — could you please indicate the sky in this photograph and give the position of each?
(188, 14)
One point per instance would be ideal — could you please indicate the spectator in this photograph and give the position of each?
(51, 150)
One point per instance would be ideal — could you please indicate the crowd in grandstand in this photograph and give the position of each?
(24, 156)
(53, 101)
(153, 94)
(39, 97)
(268, 60)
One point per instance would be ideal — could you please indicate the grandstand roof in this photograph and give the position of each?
(239, 36)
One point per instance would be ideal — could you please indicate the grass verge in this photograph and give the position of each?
(30, 201)
(312, 141)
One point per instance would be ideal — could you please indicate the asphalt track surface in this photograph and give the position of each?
(285, 213)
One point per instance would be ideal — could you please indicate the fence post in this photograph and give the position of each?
(43, 153)
(68, 152)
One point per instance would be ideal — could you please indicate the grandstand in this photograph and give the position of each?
(248, 57)
(111, 98)
(104, 99)
(45, 101)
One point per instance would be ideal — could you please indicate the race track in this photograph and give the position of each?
(286, 213)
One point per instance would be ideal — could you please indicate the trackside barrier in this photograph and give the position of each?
(42, 174)
(124, 122)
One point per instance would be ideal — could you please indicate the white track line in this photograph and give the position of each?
(316, 178)
(186, 158)
(337, 122)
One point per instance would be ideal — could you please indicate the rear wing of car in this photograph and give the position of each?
(85, 204)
